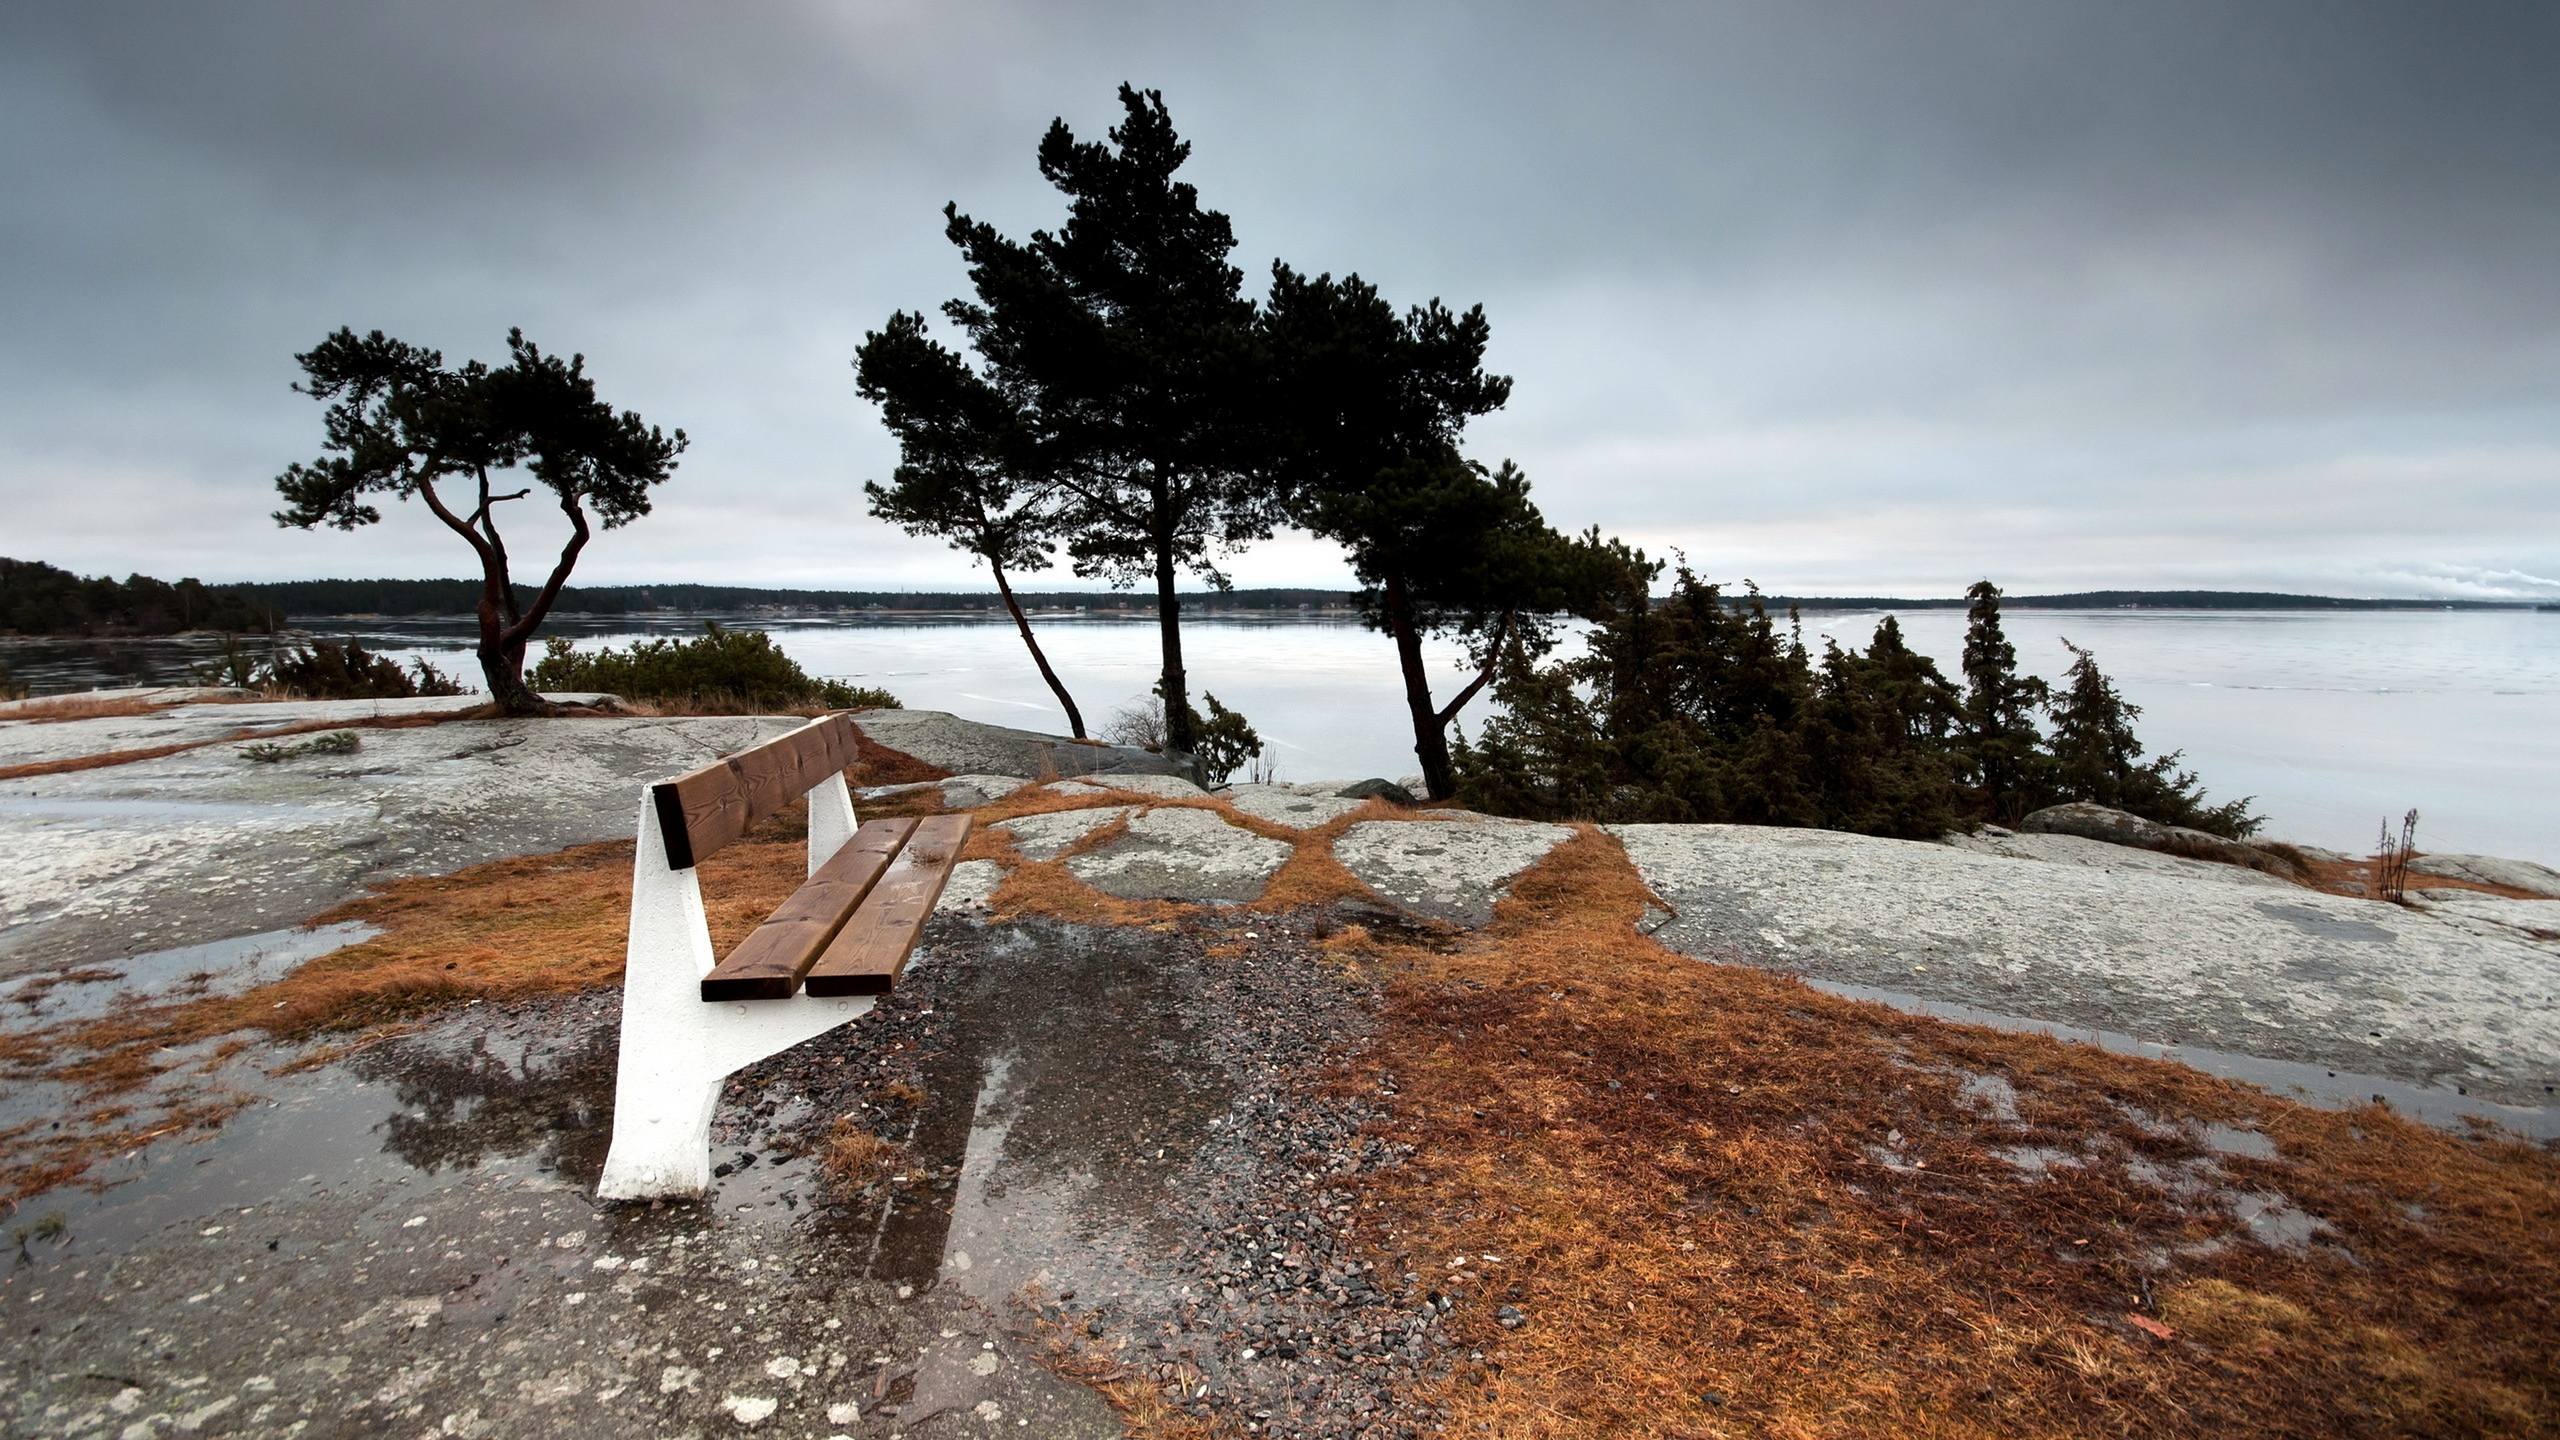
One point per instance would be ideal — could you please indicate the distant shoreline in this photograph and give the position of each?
(41, 601)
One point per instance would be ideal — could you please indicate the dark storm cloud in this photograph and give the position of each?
(1843, 298)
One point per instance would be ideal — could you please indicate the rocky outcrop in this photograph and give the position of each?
(2455, 994)
(966, 747)
(2097, 822)
(1376, 789)
(2521, 875)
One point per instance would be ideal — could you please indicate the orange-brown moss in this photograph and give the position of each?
(1729, 1204)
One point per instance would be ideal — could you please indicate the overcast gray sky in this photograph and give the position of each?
(1845, 298)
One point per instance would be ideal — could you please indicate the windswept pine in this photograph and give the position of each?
(399, 423)
(1124, 348)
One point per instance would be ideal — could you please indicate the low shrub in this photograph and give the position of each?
(323, 671)
(734, 671)
(1140, 724)
(1226, 742)
(10, 686)
(336, 742)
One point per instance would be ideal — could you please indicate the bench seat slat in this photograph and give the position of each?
(866, 956)
(768, 964)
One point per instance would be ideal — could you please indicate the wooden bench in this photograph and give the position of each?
(841, 940)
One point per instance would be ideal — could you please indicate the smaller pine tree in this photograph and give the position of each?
(2004, 754)
(2096, 757)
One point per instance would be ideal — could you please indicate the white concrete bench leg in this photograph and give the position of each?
(675, 1049)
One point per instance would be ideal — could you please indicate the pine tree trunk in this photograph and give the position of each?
(502, 658)
(502, 666)
(1176, 685)
(1075, 717)
(1430, 739)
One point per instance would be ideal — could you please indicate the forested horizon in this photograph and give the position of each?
(41, 599)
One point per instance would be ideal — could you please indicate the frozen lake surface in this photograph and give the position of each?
(2335, 720)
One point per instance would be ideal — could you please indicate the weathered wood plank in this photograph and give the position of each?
(866, 955)
(704, 810)
(768, 964)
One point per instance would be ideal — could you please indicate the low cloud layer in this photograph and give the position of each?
(1844, 299)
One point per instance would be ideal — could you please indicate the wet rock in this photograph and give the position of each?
(196, 847)
(972, 884)
(2106, 855)
(960, 792)
(1166, 787)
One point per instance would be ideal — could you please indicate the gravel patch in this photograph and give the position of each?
(1127, 1167)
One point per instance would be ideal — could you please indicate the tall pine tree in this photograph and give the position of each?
(1126, 342)
(2004, 758)
(1372, 406)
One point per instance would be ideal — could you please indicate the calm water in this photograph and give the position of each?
(2333, 720)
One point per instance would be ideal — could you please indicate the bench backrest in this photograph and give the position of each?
(701, 812)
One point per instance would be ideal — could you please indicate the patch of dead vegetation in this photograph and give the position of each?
(54, 708)
(1133, 1387)
(854, 1159)
(2357, 879)
(1722, 1203)
(877, 764)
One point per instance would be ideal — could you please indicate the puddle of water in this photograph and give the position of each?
(2232, 1140)
(2276, 1222)
(418, 1111)
(1051, 1128)
(2313, 1084)
(222, 967)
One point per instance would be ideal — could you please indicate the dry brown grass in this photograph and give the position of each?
(81, 707)
(2355, 879)
(1134, 1388)
(1672, 1162)
(877, 764)
(855, 1159)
